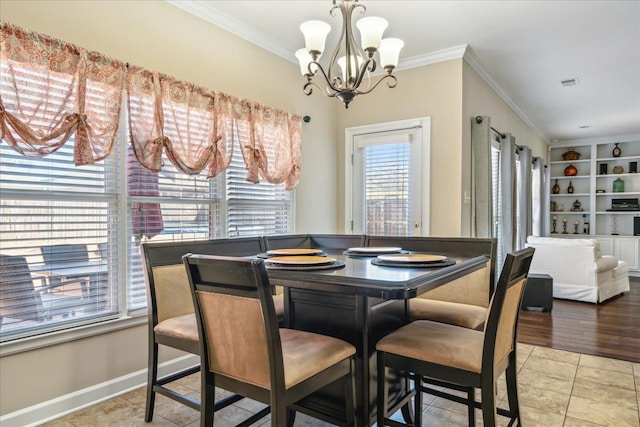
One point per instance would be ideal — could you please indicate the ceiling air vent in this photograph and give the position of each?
(569, 82)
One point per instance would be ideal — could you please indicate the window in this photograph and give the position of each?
(389, 187)
(75, 201)
(49, 201)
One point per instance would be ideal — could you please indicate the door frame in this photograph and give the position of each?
(350, 133)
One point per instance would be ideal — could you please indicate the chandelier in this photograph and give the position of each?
(350, 65)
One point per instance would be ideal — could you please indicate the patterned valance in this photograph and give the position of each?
(78, 93)
(53, 90)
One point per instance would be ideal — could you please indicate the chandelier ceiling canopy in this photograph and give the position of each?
(350, 64)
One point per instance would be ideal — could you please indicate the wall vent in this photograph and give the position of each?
(569, 82)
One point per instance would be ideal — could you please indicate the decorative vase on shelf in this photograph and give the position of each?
(618, 186)
(556, 188)
(571, 155)
(616, 151)
(570, 171)
(570, 188)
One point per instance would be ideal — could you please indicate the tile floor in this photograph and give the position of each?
(556, 388)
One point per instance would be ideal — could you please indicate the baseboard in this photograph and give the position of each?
(72, 402)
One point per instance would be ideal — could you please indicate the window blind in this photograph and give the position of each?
(52, 208)
(385, 186)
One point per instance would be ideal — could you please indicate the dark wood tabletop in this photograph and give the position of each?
(360, 277)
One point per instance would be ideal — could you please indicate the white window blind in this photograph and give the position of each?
(496, 192)
(49, 202)
(62, 220)
(383, 176)
(255, 209)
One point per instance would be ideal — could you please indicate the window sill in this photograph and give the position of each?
(72, 334)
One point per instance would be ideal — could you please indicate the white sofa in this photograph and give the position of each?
(578, 269)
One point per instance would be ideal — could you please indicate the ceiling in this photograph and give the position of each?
(523, 49)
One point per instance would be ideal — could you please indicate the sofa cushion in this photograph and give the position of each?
(565, 242)
(621, 270)
(606, 263)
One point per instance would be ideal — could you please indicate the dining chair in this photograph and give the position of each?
(458, 358)
(242, 348)
(462, 302)
(171, 318)
(20, 299)
(55, 255)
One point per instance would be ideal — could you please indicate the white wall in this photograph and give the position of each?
(158, 36)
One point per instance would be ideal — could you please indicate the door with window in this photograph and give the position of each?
(388, 174)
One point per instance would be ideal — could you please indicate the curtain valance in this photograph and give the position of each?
(78, 93)
(55, 90)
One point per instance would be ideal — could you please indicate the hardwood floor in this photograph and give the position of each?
(610, 329)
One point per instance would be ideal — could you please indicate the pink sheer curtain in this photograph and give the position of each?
(174, 117)
(53, 90)
(196, 127)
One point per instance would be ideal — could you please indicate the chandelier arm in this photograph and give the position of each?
(390, 84)
(308, 89)
(312, 74)
(365, 67)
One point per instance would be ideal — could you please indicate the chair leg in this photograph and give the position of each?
(418, 400)
(488, 396)
(471, 407)
(208, 398)
(512, 390)
(382, 390)
(152, 378)
(349, 392)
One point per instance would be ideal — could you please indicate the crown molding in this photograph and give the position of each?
(204, 10)
(472, 59)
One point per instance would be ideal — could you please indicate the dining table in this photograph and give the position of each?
(360, 302)
(91, 274)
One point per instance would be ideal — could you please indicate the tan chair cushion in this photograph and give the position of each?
(278, 302)
(437, 343)
(306, 354)
(470, 289)
(173, 297)
(184, 327)
(453, 313)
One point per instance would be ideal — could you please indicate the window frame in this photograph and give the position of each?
(126, 316)
(350, 133)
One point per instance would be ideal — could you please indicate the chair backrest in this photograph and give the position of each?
(168, 292)
(502, 318)
(239, 335)
(64, 253)
(472, 289)
(18, 299)
(315, 241)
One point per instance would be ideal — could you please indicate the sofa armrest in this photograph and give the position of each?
(606, 263)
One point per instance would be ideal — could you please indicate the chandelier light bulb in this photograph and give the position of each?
(371, 30)
(390, 52)
(304, 58)
(342, 62)
(315, 35)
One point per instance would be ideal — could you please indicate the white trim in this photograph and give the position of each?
(203, 9)
(448, 54)
(350, 133)
(206, 11)
(71, 334)
(72, 402)
(472, 59)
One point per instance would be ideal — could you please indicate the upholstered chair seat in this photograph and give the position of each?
(460, 358)
(183, 327)
(453, 313)
(243, 350)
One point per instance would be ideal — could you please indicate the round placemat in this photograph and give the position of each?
(444, 263)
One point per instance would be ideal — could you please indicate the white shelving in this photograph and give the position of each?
(593, 188)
